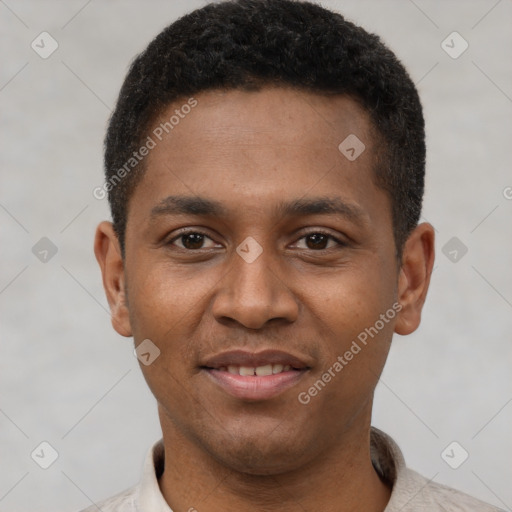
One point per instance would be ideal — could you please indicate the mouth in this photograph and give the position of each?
(258, 371)
(255, 377)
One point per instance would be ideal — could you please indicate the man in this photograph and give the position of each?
(265, 170)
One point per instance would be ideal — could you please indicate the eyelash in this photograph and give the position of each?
(315, 232)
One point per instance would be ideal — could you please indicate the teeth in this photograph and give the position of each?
(278, 368)
(245, 370)
(264, 370)
(260, 371)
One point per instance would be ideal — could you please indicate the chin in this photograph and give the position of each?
(259, 464)
(259, 454)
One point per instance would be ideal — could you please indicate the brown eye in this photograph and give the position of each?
(316, 241)
(192, 240)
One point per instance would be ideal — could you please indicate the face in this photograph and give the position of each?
(260, 260)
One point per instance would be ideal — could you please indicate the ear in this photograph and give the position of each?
(414, 278)
(108, 254)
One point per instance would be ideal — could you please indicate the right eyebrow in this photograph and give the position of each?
(191, 205)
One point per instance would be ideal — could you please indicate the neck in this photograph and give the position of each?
(342, 480)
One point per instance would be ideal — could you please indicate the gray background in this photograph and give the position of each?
(67, 378)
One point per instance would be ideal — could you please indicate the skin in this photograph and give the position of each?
(307, 296)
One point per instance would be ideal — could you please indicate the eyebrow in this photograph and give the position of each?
(201, 206)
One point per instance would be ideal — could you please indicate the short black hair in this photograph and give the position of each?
(250, 44)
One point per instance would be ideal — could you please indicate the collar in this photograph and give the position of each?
(386, 457)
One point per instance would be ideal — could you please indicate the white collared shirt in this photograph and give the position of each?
(411, 492)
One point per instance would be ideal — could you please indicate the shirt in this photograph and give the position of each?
(411, 492)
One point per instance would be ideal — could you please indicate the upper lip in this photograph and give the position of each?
(254, 359)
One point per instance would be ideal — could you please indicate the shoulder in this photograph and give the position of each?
(439, 497)
(412, 492)
(146, 494)
(123, 502)
(454, 500)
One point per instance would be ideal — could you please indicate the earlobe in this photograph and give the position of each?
(414, 277)
(108, 254)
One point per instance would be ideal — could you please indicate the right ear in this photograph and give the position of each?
(108, 254)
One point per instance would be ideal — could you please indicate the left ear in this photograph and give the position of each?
(414, 278)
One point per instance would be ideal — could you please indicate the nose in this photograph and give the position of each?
(253, 293)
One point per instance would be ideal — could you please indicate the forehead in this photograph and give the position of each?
(272, 116)
(245, 148)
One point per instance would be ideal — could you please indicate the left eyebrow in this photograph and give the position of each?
(323, 205)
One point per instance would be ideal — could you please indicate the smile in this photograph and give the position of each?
(255, 377)
(259, 371)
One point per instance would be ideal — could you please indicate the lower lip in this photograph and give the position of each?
(254, 387)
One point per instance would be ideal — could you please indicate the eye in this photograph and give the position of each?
(192, 240)
(196, 240)
(318, 240)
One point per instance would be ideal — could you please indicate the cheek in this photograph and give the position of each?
(166, 306)
(353, 299)
(163, 301)
(355, 322)
(163, 309)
